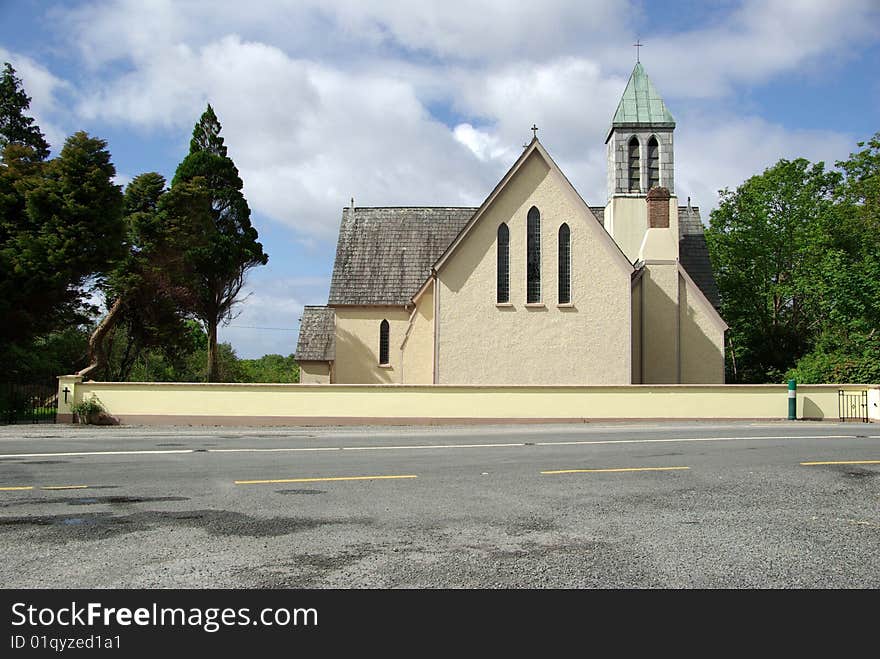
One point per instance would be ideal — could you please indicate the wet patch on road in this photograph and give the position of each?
(300, 492)
(86, 501)
(92, 526)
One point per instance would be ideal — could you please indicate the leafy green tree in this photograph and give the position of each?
(271, 368)
(848, 346)
(15, 126)
(765, 240)
(61, 231)
(146, 296)
(206, 192)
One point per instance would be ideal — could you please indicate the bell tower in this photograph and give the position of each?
(640, 157)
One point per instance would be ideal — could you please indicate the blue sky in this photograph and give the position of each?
(400, 102)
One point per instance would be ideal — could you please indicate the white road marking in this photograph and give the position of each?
(77, 453)
(404, 447)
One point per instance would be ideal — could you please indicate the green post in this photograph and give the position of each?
(792, 400)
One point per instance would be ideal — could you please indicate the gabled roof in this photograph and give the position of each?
(384, 254)
(536, 148)
(317, 335)
(641, 105)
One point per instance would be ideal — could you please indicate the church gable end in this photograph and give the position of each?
(552, 309)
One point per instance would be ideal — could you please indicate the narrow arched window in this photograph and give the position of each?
(635, 167)
(384, 340)
(564, 265)
(503, 284)
(533, 256)
(653, 163)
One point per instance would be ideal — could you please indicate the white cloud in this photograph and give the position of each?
(43, 88)
(305, 136)
(718, 152)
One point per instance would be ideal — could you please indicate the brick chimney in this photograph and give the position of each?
(658, 208)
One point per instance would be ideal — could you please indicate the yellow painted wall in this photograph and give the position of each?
(190, 402)
(357, 344)
(626, 219)
(637, 333)
(587, 342)
(659, 342)
(418, 351)
(702, 339)
(314, 372)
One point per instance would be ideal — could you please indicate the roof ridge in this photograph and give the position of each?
(358, 208)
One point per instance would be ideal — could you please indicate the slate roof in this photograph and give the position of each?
(317, 335)
(385, 254)
(693, 253)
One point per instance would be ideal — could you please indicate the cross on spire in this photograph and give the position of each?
(638, 44)
(534, 130)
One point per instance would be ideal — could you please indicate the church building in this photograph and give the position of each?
(534, 286)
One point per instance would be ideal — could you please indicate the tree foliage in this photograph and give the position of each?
(15, 126)
(795, 255)
(206, 196)
(146, 293)
(61, 232)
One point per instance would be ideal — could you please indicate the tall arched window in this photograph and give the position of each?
(384, 340)
(533, 256)
(653, 163)
(635, 167)
(503, 284)
(564, 265)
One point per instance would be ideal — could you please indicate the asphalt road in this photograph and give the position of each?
(613, 506)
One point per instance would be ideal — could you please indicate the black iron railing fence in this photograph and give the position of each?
(32, 402)
(853, 405)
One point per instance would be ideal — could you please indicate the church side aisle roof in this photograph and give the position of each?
(317, 335)
(641, 103)
(693, 253)
(385, 254)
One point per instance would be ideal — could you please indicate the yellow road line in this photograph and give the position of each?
(319, 480)
(16, 489)
(843, 462)
(64, 487)
(606, 471)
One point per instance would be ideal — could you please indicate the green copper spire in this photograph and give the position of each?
(641, 104)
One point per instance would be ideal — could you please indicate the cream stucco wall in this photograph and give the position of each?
(702, 339)
(418, 349)
(660, 337)
(314, 372)
(626, 220)
(357, 344)
(587, 341)
(637, 332)
(136, 402)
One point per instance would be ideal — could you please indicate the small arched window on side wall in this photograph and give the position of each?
(634, 165)
(653, 163)
(564, 265)
(533, 257)
(384, 342)
(503, 283)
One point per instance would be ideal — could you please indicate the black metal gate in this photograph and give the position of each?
(28, 403)
(852, 405)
